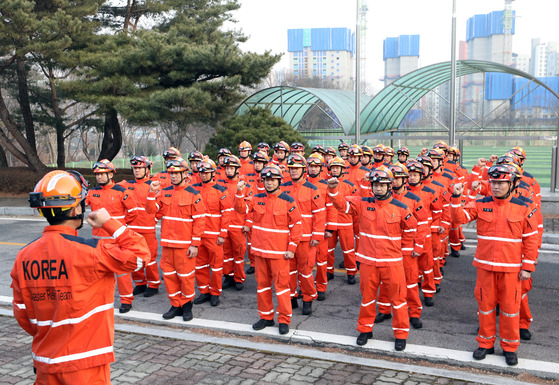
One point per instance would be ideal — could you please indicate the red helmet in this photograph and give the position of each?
(355, 150)
(260, 156)
(206, 166)
(245, 146)
(171, 153)
(507, 158)
(177, 165)
(281, 146)
(381, 174)
(367, 150)
(102, 166)
(399, 170)
(196, 156)
(436, 153)
(404, 151)
(454, 151)
(232, 160)
(389, 151)
(297, 146)
(223, 152)
(271, 171)
(59, 189)
(519, 152)
(501, 172)
(414, 165)
(296, 160)
(320, 149)
(140, 161)
(343, 146)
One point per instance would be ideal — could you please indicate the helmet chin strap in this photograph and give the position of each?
(79, 216)
(272, 191)
(209, 180)
(182, 179)
(384, 196)
(298, 178)
(234, 175)
(313, 175)
(508, 192)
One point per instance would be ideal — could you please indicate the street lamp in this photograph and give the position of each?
(453, 76)
(357, 73)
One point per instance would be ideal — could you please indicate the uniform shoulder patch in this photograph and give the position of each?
(261, 195)
(485, 199)
(168, 188)
(131, 182)
(192, 190)
(517, 201)
(310, 185)
(397, 203)
(88, 242)
(118, 187)
(348, 182)
(197, 185)
(412, 196)
(438, 183)
(428, 189)
(286, 197)
(323, 181)
(368, 199)
(95, 188)
(290, 183)
(219, 187)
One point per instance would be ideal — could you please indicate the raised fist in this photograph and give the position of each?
(458, 189)
(481, 162)
(154, 186)
(241, 185)
(333, 182)
(98, 218)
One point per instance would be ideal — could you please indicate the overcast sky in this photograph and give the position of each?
(266, 23)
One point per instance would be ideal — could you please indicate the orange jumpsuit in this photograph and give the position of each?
(143, 224)
(447, 180)
(507, 234)
(313, 211)
(387, 230)
(344, 231)
(235, 246)
(247, 166)
(117, 201)
(63, 289)
(257, 187)
(162, 177)
(421, 215)
(321, 278)
(209, 262)
(182, 212)
(432, 203)
(277, 228)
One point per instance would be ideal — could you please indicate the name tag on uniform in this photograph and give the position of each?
(487, 210)
(371, 208)
(168, 195)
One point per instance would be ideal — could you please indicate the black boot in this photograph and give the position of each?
(351, 279)
(125, 308)
(139, 289)
(151, 291)
(262, 323)
(187, 311)
(173, 312)
(294, 303)
(525, 335)
(239, 286)
(428, 301)
(480, 353)
(321, 296)
(437, 288)
(381, 317)
(283, 328)
(330, 276)
(250, 270)
(400, 344)
(511, 358)
(455, 253)
(416, 323)
(204, 297)
(214, 300)
(228, 281)
(463, 247)
(341, 265)
(363, 338)
(307, 308)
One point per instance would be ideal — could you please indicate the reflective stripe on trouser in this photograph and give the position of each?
(525, 313)
(321, 279)
(276, 271)
(347, 242)
(125, 287)
(394, 278)
(425, 264)
(96, 375)
(454, 238)
(437, 257)
(209, 267)
(178, 275)
(461, 235)
(300, 271)
(412, 297)
(149, 274)
(250, 255)
(504, 289)
(234, 250)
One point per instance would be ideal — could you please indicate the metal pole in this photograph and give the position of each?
(357, 74)
(554, 170)
(453, 75)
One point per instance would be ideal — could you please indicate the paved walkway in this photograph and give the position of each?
(153, 360)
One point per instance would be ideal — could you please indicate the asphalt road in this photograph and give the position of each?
(451, 323)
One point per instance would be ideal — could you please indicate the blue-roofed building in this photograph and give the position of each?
(323, 53)
(401, 56)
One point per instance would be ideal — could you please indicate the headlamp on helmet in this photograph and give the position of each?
(103, 166)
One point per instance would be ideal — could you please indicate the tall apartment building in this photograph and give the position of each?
(401, 56)
(324, 53)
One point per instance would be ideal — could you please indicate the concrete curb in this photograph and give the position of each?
(18, 211)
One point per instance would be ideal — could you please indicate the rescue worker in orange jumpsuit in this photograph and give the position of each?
(330, 154)
(209, 262)
(456, 236)
(146, 279)
(221, 155)
(259, 160)
(355, 172)
(378, 156)
(367, 156)
(505, 256)
(194, 158)
(313, 211)
(403, 154)
(245, 149)
(277, 231)
(414, 203)
(297, 148)
(235, 245)
(315, 164)
(343, 226)
(163, 176)
(63, 285)
(527, 177)
(342, 149)
(432, 203)
(182, 211)
(388, 155)
(117, 201)
(437, 155)
(387, 228)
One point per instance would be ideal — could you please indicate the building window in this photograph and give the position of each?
(295, 72)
